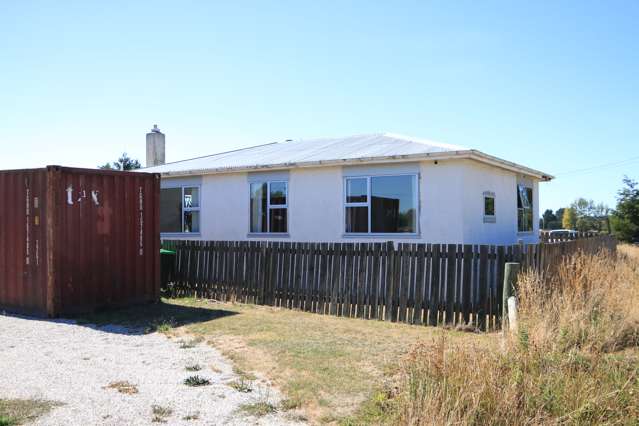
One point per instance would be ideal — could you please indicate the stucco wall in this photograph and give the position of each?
(450, 204)
(478, 179)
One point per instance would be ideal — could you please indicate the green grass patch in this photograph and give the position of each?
(14, 412)
(258, 409)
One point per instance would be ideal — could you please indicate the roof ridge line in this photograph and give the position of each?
(425, 141)
(211, 155)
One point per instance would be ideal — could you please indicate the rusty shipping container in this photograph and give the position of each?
(75, 240)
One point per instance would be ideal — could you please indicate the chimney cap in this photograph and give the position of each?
(155, 129)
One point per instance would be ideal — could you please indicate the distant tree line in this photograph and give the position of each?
(123, 163)
(585, 215)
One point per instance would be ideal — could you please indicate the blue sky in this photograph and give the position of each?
(552, 85)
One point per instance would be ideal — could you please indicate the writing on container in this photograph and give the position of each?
(81, 196)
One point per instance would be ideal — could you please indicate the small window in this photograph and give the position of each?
(524, 209)
(180, 210)
(489, 207)
(381, 204)
(269, 207)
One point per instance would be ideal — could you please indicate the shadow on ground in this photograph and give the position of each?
(141, 319)
(149, 318)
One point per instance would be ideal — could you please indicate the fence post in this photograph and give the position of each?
(511, 270)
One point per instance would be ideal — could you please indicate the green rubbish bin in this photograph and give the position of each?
(167, 268)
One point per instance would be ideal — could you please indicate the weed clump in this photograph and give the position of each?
(195, 381)
(258, 409)
(160, 414)
(189, 344)
(242, 385)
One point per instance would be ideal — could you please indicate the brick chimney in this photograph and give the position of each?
(155, 147)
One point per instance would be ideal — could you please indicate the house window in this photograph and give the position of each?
(180, 210)
(524, 209)
(269, 207)
(489, 207)
(381, 204)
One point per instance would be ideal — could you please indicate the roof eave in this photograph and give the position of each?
(463, 154)
(509, 165)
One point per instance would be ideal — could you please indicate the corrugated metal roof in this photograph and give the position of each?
(298, 153)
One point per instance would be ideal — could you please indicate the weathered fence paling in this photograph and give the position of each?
(433, 284)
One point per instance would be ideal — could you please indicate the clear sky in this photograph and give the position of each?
(551, 85)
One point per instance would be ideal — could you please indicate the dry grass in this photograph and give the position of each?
(15, 412)
(575, 359)
(325, 366)
(123, 387)
(630, 251)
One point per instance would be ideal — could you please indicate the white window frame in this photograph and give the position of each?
(368, 205)
(530, 206)
(187, 209)
(490, 218)
(269, 207)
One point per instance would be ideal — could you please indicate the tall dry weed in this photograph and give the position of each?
(574, 360)
(591, 304)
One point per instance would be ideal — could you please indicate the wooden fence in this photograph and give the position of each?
(433, 284)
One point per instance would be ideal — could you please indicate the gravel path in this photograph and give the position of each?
(75, 364)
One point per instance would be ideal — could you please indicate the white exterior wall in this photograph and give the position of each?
(478, 179)
(450, 204)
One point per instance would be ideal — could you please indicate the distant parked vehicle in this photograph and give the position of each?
(559, 234)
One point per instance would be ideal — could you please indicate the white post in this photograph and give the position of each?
(512, 313)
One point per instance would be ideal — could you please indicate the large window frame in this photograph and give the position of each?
(184, 209)
(525, 203)
(269, 207)
(368, 204)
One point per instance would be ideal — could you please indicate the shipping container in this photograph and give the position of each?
(76, 240)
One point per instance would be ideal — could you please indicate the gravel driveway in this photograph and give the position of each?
(76, 364)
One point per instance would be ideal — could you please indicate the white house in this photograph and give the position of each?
(376, 187)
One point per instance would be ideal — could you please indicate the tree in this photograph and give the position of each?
(123, 163)
(590, 216)
(625, 218)
(548, 218)
(569, 220)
